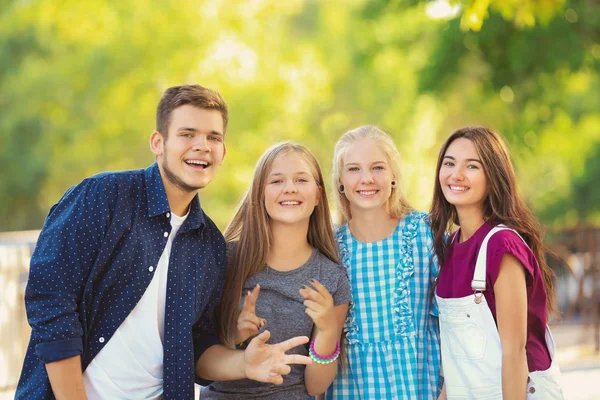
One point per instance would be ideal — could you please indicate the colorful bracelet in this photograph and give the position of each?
(319, 359)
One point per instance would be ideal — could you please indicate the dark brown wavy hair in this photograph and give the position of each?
(502, 204)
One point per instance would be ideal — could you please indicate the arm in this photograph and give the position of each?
(260, 361)
(66, 378)
(511, 313)
(65, 253)
(329, 322)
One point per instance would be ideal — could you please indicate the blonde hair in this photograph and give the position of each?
(398, 205)
(250, 228)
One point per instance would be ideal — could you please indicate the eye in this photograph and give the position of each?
(473, 166)
(448, 164)
(186, 135)
(353, 169)
(215, 138)
(276, 181)
(302, 180)
(378, 167)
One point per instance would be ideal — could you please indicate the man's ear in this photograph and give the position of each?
(157, 143)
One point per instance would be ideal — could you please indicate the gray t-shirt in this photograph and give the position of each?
(280, 303)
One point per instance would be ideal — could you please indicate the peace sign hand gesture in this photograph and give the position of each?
(248, 324)
(268, 362)
(319, 306)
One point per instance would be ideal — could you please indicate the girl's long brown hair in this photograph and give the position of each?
(250, 228)
(502, 205)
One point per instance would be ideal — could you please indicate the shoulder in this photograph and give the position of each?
(109, 184)
(508, 241)
(214, 233)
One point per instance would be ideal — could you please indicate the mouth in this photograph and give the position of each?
(290, 203)
(198, 164)
(367, 193)
(458, 189)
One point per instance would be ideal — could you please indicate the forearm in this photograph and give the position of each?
(318, 377)
(514, 374)
(219, 363)
(66, 379)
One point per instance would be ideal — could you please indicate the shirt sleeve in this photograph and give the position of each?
(343, 293)
(504, 242)
(204, 332)
(64, 254)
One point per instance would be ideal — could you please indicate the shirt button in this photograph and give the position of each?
(168, 215)
(166, 234)
(151, 269)
(101, 340)
(532, 390)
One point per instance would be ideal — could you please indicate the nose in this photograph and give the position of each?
(458, 174)
(201, 143)
(290, 187)
(367, 177)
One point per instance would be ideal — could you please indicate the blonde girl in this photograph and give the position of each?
(391, 334)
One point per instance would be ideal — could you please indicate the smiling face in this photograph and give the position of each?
(366, 176)
(291, 191)
(461, 176)
(193, 149)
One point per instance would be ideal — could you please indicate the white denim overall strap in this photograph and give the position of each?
(471, 348)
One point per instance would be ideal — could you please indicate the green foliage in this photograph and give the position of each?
(79, 83)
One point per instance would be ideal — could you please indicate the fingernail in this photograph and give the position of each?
(303, 287)
(313, 280)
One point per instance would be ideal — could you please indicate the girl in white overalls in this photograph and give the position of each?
(495, 288)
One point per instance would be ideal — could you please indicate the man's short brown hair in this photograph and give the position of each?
(195, 95)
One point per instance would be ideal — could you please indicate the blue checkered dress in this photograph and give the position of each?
(392, 335)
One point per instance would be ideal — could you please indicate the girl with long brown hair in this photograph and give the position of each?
(283, 261)
(494, 290)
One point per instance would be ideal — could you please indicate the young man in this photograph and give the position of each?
(128, 269)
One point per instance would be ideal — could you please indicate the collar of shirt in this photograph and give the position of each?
(158, 204)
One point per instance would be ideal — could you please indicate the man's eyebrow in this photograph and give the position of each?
(185, 128)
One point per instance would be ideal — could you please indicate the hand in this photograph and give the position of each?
(319, 306)
(268, 362)
(248, 324)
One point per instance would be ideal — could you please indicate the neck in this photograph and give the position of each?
(470, 221)
(179, 200)
(290, 248)
(372, 225)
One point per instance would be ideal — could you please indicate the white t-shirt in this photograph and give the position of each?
(130, 365)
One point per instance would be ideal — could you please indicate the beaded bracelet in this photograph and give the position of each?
(319, 359)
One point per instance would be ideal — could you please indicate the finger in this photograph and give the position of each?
(290, 343)
(249, 328)
(264, 337)
(250, 300)
(313, 305)
(296, 359)
(312, 314)
(281, 369)
(246, 317)
(276, 380)
(320, 288)
(309, 293)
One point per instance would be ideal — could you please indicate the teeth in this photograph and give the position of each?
(367, 192)
(459, 188)
(197, 162)
(290, 203)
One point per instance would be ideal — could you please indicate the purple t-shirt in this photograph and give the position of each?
(456, 275)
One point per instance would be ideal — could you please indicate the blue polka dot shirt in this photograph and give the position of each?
(93, 261)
